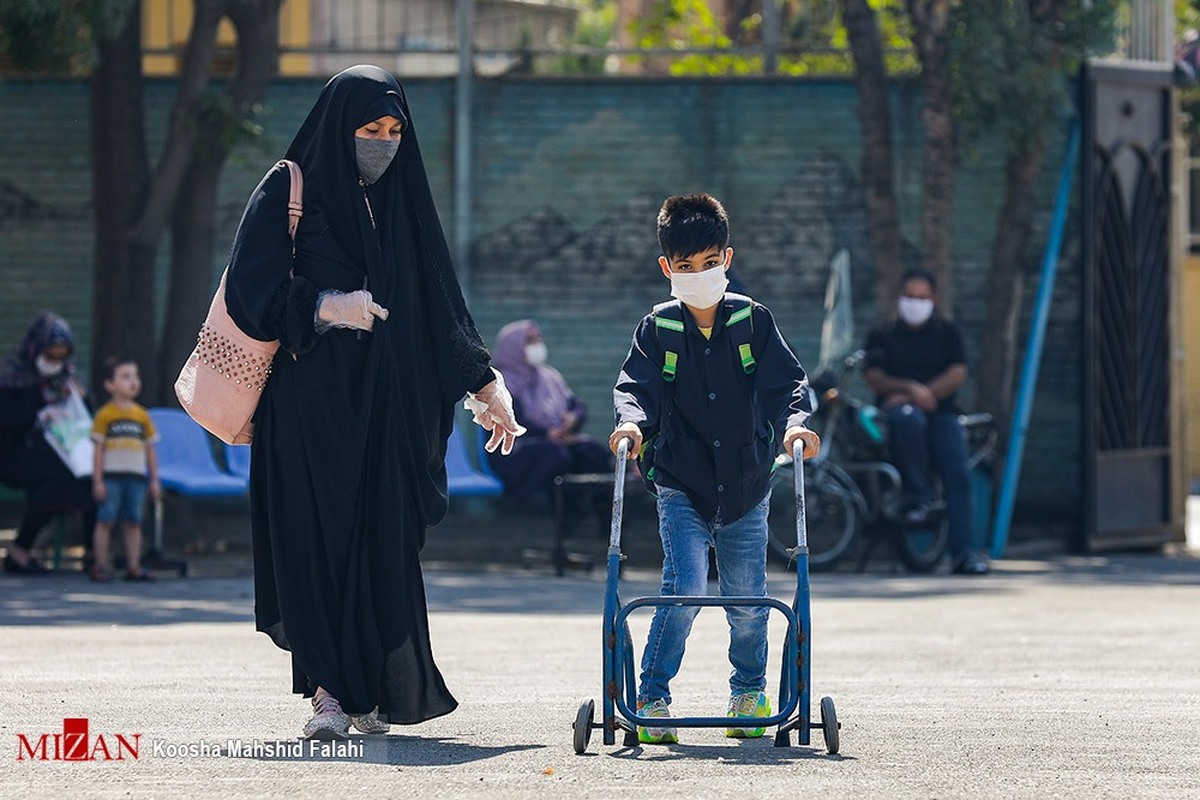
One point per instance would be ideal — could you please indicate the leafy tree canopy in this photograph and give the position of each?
(58, 36)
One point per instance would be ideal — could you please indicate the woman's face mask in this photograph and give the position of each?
(536, 353)
(47, 367)
(374, 156)
(700, 289)
(915, 311)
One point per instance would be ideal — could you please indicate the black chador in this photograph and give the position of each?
(350, 435)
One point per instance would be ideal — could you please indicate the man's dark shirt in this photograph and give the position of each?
(919, 354)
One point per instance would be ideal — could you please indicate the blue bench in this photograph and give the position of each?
(185, 458)
(462, 478)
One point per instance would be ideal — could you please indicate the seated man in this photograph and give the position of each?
(553, 416)
(915, 365)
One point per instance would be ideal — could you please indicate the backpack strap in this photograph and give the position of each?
(741, 330)
(668, 327)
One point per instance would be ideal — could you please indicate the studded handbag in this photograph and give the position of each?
(223, 378)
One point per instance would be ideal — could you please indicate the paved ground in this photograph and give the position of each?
(1068, 677)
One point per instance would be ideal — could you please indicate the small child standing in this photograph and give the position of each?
(126, 467)
(708, 385)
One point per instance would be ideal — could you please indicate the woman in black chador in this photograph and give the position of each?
(350, 434)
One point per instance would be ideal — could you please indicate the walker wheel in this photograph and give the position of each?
(830, 725)
(583, 725)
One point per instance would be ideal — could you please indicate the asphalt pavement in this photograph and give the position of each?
(1061, 677)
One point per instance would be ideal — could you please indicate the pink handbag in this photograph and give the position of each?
(222, 380)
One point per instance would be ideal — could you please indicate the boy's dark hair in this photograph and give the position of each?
(692, 223)
(109, 369)
(919, 274)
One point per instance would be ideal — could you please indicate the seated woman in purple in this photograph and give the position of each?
(551, 413)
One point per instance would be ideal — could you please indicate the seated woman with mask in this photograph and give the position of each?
(551, 413)
(40, 373)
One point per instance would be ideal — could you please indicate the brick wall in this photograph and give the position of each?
(567, 178)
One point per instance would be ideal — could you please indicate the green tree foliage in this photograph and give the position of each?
(57, 36)
(813, 40)
(1011, 71)
(594, 30)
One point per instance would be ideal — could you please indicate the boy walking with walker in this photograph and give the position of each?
(706, 389)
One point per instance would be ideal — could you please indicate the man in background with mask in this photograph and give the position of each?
(915, 365)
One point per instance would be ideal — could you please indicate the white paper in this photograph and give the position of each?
(67, 426)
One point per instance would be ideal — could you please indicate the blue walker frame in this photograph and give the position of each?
(620, 685)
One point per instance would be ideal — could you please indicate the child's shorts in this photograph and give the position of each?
(124, 499)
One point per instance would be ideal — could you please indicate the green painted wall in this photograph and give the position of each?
(568, 176)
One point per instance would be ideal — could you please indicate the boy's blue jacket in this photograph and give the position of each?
(720, 427)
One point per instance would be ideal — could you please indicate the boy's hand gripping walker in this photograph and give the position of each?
(620, 686)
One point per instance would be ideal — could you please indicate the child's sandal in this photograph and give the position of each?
(99, 574)
(143, 576)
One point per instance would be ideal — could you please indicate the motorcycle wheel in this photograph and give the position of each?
(922, 547)
(832, 503)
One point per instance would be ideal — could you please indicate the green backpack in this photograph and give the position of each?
(669, 330)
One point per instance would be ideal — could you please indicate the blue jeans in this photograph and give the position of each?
(742, 565)
(916, 438)
(124, 499)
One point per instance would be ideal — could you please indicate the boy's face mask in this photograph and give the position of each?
(700, 289)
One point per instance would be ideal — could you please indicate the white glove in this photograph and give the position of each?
(347, 310)
(492, 409)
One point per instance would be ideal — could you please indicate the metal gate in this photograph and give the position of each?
(1127, 238)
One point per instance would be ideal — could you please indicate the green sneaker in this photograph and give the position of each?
(748, 704)
(656, 708)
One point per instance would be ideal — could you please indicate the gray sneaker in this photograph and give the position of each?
(369, 723)
(328, 721)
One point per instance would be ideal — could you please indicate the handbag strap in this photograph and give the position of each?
(295, 198)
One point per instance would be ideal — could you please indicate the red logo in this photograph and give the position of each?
(75, 744)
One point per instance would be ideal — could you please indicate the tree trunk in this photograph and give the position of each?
(182, 129)
(1006, 286)
(194, 218)
(996, 375)
(939, 167)
(123, 292)
(875, 117)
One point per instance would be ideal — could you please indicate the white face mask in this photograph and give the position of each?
(916, 311)
(47, 368)
(700, 289)
(535, 354)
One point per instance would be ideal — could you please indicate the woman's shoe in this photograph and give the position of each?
(328, 721)
(369, 723)
(30, 567)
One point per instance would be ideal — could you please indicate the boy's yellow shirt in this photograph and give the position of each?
(125, 434)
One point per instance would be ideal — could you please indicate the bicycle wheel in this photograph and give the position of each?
(832, 504)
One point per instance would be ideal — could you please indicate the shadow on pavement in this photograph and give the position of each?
(69, 599)
(753, 753)
(391, 750)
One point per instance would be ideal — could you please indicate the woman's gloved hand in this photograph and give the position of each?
(356, 310)
(492, 409)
